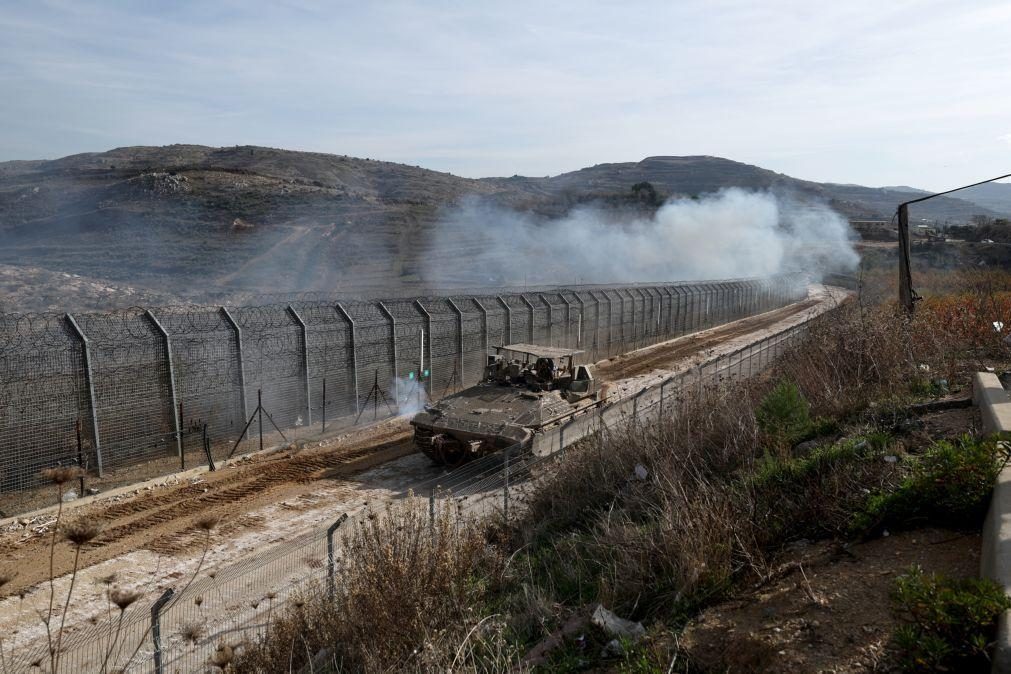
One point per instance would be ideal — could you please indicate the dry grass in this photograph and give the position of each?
(404, 599)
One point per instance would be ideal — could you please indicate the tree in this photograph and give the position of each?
(645, 192)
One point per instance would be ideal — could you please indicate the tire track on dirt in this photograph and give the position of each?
(660, 356)
(165, 521)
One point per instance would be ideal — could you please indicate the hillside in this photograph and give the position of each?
(692, 176)
(183, 220)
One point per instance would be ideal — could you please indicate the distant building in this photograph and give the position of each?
(875, 230)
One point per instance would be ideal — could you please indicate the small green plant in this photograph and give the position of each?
(784, 414)
(816, 495)
(950, 621)
(929, 388)
(948, 486)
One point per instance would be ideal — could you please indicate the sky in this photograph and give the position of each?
(906, 92)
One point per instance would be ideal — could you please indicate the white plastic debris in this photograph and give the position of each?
(640, 472)
(891, 459)
(615, 626)
(71, 495)
(998, 325)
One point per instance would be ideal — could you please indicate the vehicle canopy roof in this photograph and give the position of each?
(540, 351)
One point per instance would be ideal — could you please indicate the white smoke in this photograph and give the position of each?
(410, 394)
(728, 234)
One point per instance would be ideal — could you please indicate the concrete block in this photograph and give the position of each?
(993, 402)
(995, 562)
(995, 409)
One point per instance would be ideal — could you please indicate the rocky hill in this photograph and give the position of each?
(182, 220)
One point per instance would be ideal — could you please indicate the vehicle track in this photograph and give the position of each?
(664, 355)
(164, 520)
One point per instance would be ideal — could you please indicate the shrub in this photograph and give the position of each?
(949, 486)
(784, 415)
(950, 621)
(816, 495)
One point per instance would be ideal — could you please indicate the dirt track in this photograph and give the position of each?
(666, 354)
(163, 519)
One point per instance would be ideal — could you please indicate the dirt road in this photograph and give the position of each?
(163, 519)
(664, 355)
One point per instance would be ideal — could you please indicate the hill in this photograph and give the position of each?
(183, 220)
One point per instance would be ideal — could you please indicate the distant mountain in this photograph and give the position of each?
(905, 188)
(692, 176)
(185, 219)
(993, 196)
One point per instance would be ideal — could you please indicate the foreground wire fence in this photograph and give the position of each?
(143, 392)
(181, 631)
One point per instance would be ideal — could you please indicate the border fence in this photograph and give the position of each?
(137, 393)
(180, 631)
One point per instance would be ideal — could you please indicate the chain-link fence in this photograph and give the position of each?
(139, 393)
(180, 630)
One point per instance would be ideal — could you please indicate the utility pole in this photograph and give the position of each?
(905, 274)
(908, 296)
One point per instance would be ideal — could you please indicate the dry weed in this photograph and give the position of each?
(403, 596)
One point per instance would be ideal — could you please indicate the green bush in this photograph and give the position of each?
(950, 621)
(816, 495)
(784, 414)
(948, 486)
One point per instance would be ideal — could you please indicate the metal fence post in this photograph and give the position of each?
(431, 511)
(459, 337)
(484, 327)
(89, 382)
(177, 422)
(551, 318)
(428, 329)
(505, 485)
(393, 345)
(635, 327)
(508, 319)
(156, 627)
(621, 323)
(610, 323)
(242, 367)
(331, 563)
(305, 362)
(581, 322)
(354, 354)
(568, 321)
(533, 340)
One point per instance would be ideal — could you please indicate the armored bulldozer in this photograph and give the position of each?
(526, 388)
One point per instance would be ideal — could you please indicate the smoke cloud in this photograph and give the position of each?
(727, 234)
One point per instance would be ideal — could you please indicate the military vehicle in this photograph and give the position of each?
(525, 388)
